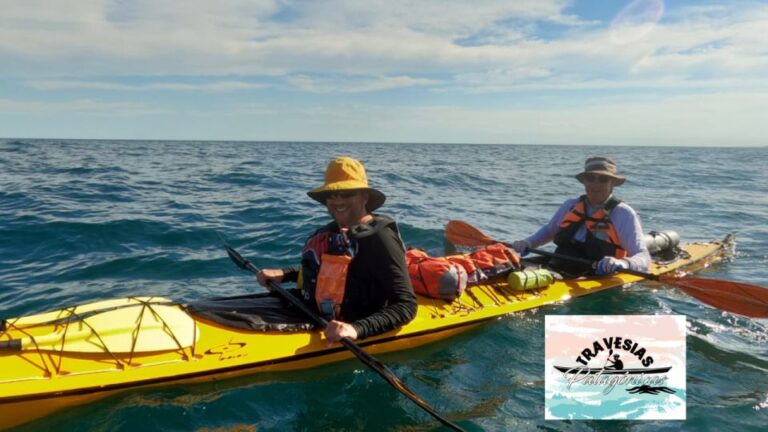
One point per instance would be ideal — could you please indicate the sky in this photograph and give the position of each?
(600, 72)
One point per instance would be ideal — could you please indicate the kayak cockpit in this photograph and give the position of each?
(258, 312)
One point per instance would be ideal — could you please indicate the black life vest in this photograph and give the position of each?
(323, 282)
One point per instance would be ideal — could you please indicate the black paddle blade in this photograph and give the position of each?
(390, 377)
(237, 258)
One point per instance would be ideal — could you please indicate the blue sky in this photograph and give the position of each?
(643, 72)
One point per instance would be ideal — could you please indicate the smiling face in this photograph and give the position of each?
(598, 188)
(347, 208)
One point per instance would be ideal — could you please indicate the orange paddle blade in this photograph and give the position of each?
(461, 233)
(736, 297)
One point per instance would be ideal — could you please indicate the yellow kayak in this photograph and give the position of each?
(73, 356)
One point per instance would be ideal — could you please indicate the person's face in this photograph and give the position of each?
(347, 208)
(598, 188)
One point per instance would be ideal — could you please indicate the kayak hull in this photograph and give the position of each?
(89, 387)
(35, 383)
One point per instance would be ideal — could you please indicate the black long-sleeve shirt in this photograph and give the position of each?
(378, 295)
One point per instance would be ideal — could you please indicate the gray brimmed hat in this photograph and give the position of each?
(601, 165)
(345, 173)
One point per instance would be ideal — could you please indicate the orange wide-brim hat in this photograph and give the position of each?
(346, 173)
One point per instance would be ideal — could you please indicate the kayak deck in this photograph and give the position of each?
(34, 383)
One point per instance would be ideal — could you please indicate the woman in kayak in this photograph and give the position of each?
(353, 269)
(595, 226)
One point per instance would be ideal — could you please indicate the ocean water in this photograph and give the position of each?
(88, 220)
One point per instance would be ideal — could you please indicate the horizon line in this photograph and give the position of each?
(284, 141)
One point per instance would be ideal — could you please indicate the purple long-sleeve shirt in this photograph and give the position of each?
(624, 219)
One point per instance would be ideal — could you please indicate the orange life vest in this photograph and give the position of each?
(324, 267)
(601, 240)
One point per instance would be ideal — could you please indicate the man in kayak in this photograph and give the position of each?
(595, 226)
(616, 363)
(353, 270)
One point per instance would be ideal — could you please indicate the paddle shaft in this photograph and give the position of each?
(10, 345)
(589, 263)
(74, 316)
(132, 329)
(45, 340)
(370, 361)
(749, 302)
(737, 297)
(462, 233)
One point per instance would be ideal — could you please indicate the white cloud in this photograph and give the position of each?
(356, 85)
(443, 18)
(212, 87)
(392, 38)
(696, 74)
(244, 36)
(11, 106)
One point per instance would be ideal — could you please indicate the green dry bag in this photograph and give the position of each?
(530, 279)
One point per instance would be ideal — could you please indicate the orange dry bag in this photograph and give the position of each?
(495, 260)
(435, 277)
